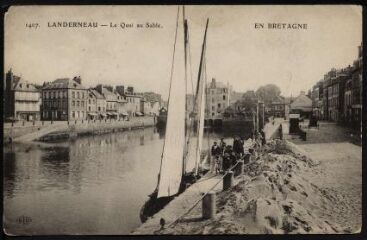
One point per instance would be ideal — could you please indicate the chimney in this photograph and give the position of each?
(130, 90)
(78, 79)
(213, 83)
(120, 90)
(99, 88)
(9, 80)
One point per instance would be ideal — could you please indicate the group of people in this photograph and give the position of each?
(225, 156)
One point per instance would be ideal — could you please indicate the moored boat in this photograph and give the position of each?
(182, 149)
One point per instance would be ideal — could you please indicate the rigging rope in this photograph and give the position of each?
(200, 199)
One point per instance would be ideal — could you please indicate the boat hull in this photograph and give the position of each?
(154, 204)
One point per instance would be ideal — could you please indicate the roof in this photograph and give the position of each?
(62, 83)
(133, 95)
(278, 100)
(301, 102)
(108, 94)
(120, 97)
(216, 85)
(21, 85)
(152, 97)
(96, 94)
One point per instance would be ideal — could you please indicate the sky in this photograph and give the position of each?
(236, 52)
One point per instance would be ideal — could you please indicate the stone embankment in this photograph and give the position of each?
(286, 189)
(274, 195)
(30, 131)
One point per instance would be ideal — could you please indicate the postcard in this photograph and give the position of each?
(172, 119)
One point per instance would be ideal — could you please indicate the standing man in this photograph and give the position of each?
(215, 152)
(280, 132)
(263, 137)
(222, 144)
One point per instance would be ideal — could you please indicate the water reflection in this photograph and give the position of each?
(91, 185)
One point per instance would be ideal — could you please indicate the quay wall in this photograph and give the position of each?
(72, 128)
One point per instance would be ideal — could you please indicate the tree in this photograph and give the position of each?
(268, 93)
(248, 101)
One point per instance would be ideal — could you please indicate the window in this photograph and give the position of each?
(89, 108)
(73, 94)
(73, 114)
(89, 101)
(224, 97)
(73, 103)
(219, 105)
(77, 95)
(77, 103)
(65, 94)
(213, 108)
(82, 102)
(52, 95)
(99, 108)
(213, 114)
(44, 94)
(83, 95)
(78, 114)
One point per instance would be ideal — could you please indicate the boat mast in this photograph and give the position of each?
(200, 79)
(202, 57)
(187, 117)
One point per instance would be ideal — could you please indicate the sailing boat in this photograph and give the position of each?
(181, 156)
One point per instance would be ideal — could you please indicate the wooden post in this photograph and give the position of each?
(209, 207)
(228, 181)
(239, 168)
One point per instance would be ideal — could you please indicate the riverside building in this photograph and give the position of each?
(22, 100)
(217, 99)
(64, 99)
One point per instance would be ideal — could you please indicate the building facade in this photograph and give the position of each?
(353, 93)
(22, 100)
(111, 101)
(277, 108)
(101, 104)
(334, 93)
(64, 100)
(217, 99)
(133, 105)
(317, 100)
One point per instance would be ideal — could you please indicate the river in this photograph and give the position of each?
(90, 185)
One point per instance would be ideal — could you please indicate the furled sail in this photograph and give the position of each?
(195, 143)
(173, 151)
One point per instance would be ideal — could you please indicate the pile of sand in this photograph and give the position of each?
(274, 196)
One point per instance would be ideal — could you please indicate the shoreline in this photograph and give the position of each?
(71, 129)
